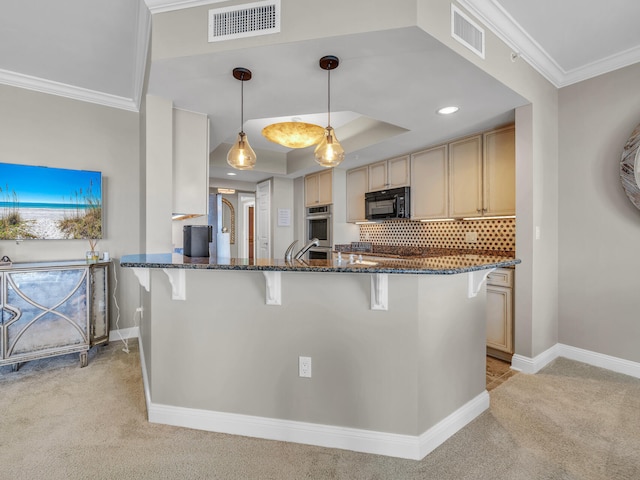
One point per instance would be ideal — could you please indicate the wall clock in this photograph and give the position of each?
(630, 167)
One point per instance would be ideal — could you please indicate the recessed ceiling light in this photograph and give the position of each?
(447, 110)
(231, 174)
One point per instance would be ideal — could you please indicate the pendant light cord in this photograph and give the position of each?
(329, 97)
(242, 103)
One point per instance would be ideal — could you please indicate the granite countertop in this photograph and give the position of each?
(444, 264)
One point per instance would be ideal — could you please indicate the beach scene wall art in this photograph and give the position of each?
(49, 203)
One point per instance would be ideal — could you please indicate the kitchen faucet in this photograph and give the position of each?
(313, 243)
(289, 252)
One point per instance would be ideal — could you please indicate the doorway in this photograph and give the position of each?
(246, 233)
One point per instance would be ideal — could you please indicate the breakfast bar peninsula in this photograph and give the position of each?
(393, 348)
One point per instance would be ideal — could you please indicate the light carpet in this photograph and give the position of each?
(59, 421)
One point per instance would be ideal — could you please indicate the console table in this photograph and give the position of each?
(52, 308)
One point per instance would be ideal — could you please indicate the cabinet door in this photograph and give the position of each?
(2, 314)
(46, 311)
(398, 172)
(465, 177)
(357, 183)
(99, 307)
(377, 176)
(429, 184)
(500, 172)
(190, 162)
(311, 190)
(325, 193)
(499, 318)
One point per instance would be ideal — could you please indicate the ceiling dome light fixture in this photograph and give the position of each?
(329, 152)
(293, 134)
(447, 110)
(241, 156)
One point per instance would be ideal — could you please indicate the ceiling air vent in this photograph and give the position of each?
(466, 31)
(248, 20)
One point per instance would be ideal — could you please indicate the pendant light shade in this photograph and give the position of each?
(241, 156)
(329, 152)
(293, 134)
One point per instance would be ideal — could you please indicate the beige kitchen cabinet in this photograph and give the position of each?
(190, 162)
(390, 173)
(465, 177)
(357, 186)
(318, 188)
(429, 184)
(499, 312)
(482, 174)
(499, 172)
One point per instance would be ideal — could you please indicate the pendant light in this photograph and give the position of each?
(294, 134)
(241, 156)
(329, 152)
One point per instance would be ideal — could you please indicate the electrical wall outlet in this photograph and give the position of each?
(140, 310)
(304, 367)
(471, 237)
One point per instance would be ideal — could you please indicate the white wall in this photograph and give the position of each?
(281, 198)
(41, 129)
(599, 226)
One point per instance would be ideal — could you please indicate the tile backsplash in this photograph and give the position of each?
(491, 234)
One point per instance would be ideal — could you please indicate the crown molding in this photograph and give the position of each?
(160, 6)
(505, 27)
(51, 87)
(63, 90)
(606, 65)
(510, 32)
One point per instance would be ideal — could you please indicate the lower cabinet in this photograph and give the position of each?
(52, 309)
(500, 313)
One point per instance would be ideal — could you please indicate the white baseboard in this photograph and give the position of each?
(601, 360)
(535, 364)
(124, 333)
(615, 364)
(365, 441)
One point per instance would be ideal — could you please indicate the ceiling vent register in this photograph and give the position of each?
(247, 20)
(466, 31)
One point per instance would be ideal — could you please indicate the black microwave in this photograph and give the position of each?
(390, 203)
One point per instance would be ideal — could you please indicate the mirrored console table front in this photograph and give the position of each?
(53, 308)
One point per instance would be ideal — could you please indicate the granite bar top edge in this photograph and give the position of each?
(395, 266)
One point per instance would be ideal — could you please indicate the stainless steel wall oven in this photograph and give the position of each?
(319, 224)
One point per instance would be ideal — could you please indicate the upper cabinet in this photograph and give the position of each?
(429, 184)
(499, 172)
(357, 186)
(389, 174)
(318, 188)
(482, 175)
(190, 162)
(470, 177)
(465, 177)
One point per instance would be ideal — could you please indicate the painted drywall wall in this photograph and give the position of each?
(281, 199)
(41, 129)
(599, 226)
(353, 384)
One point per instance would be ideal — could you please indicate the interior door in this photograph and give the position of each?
(263, 223)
